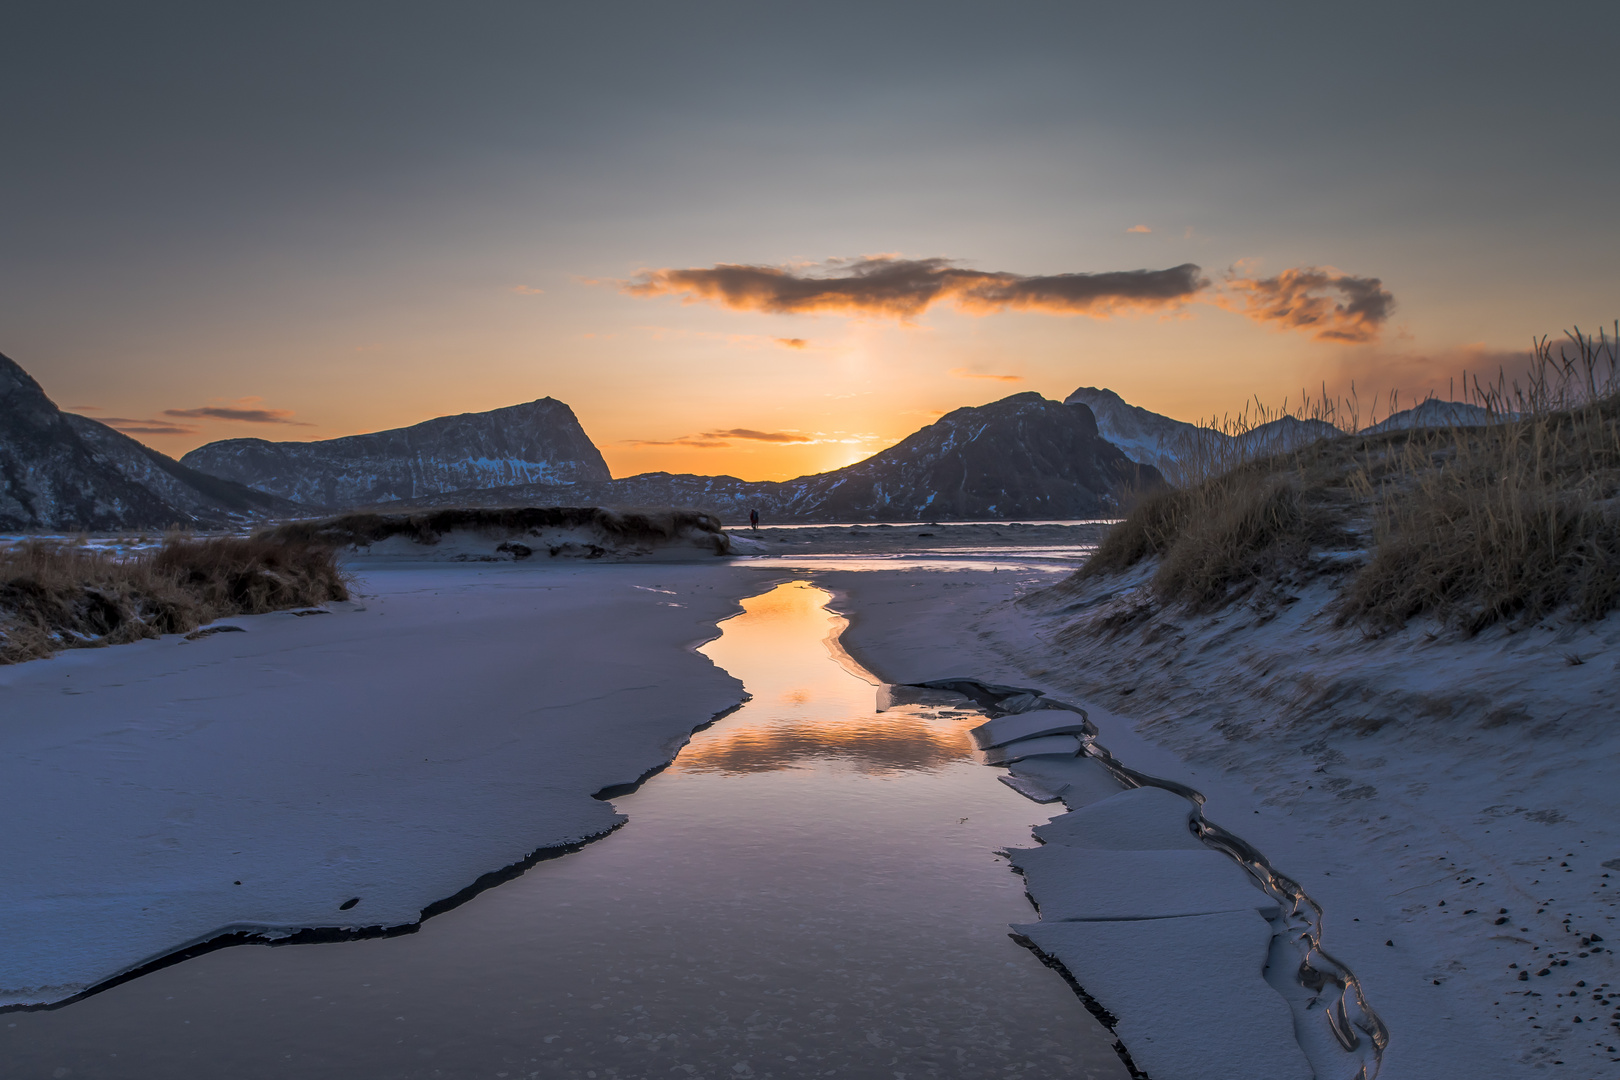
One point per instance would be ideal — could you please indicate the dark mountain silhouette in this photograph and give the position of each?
(62, 471)
(539, 442)
(1023, 456)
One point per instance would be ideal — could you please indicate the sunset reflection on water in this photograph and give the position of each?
(806, 710)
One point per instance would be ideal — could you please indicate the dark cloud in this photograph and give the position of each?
(760, 436)
(710, 439)
(685, 440)
(792, 342)
(243, 416)
(904, 288)
(146, 427)
(1321, 301)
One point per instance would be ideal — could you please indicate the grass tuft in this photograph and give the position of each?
(64, 596)
(1514, 518)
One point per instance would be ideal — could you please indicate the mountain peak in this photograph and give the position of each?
(61, 471)
(532, 442)
(1021, 456)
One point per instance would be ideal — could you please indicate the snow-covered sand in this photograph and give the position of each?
(1412, 828)
(1415, 786)
(345, 770)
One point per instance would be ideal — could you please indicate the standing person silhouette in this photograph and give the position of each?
(753, 520)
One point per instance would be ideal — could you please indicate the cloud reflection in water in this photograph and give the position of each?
(805, 711)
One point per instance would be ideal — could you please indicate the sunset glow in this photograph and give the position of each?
(677, 273)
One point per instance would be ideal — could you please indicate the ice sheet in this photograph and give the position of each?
(1078, 781)
(1026, 748)
(1188, 994)
(1089, 883)
(1006, 729)
(1142, 819)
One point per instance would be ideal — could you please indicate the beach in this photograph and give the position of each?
(360, 770)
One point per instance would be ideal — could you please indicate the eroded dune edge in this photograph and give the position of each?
(1128, 872)
(1442, 798)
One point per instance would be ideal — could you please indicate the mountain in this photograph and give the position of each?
(59, 471)
(539, 442)
(1021, 457)
(1435, 413)
(1171, 445)
(1283, 434)
(1144, 436)
(1160, 441)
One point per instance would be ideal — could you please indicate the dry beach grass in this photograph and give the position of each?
(1513, 518)
(1402, 644)
(365, 529)
(58, 596)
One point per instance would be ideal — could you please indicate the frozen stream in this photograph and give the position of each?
(810, 889)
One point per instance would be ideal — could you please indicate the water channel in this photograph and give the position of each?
(811, 889)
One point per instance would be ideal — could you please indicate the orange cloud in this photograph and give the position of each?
(964, 373)
(792, 342)
(899, 288)
(527, 290)
(1318, 300)
(1139, 229)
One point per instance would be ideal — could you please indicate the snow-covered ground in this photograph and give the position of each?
(1450, 803)
(345, 770)
(117, 545)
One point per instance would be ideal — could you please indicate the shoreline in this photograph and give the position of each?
(1435, 993)
(938, 617)
(304, 812)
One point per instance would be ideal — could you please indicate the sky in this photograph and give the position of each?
(770, 239)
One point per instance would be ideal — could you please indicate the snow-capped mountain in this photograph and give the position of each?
(1167, 444)
(1144, 436)
(538, 442)
(60, 471)
(1283, 434)
(1435, 413)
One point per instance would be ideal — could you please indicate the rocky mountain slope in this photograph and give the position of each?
(538, 442)
(1021, 457)
(1166, 444)
(1435, 413)
(199, 498)
(59, 471)
(1143, 435)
